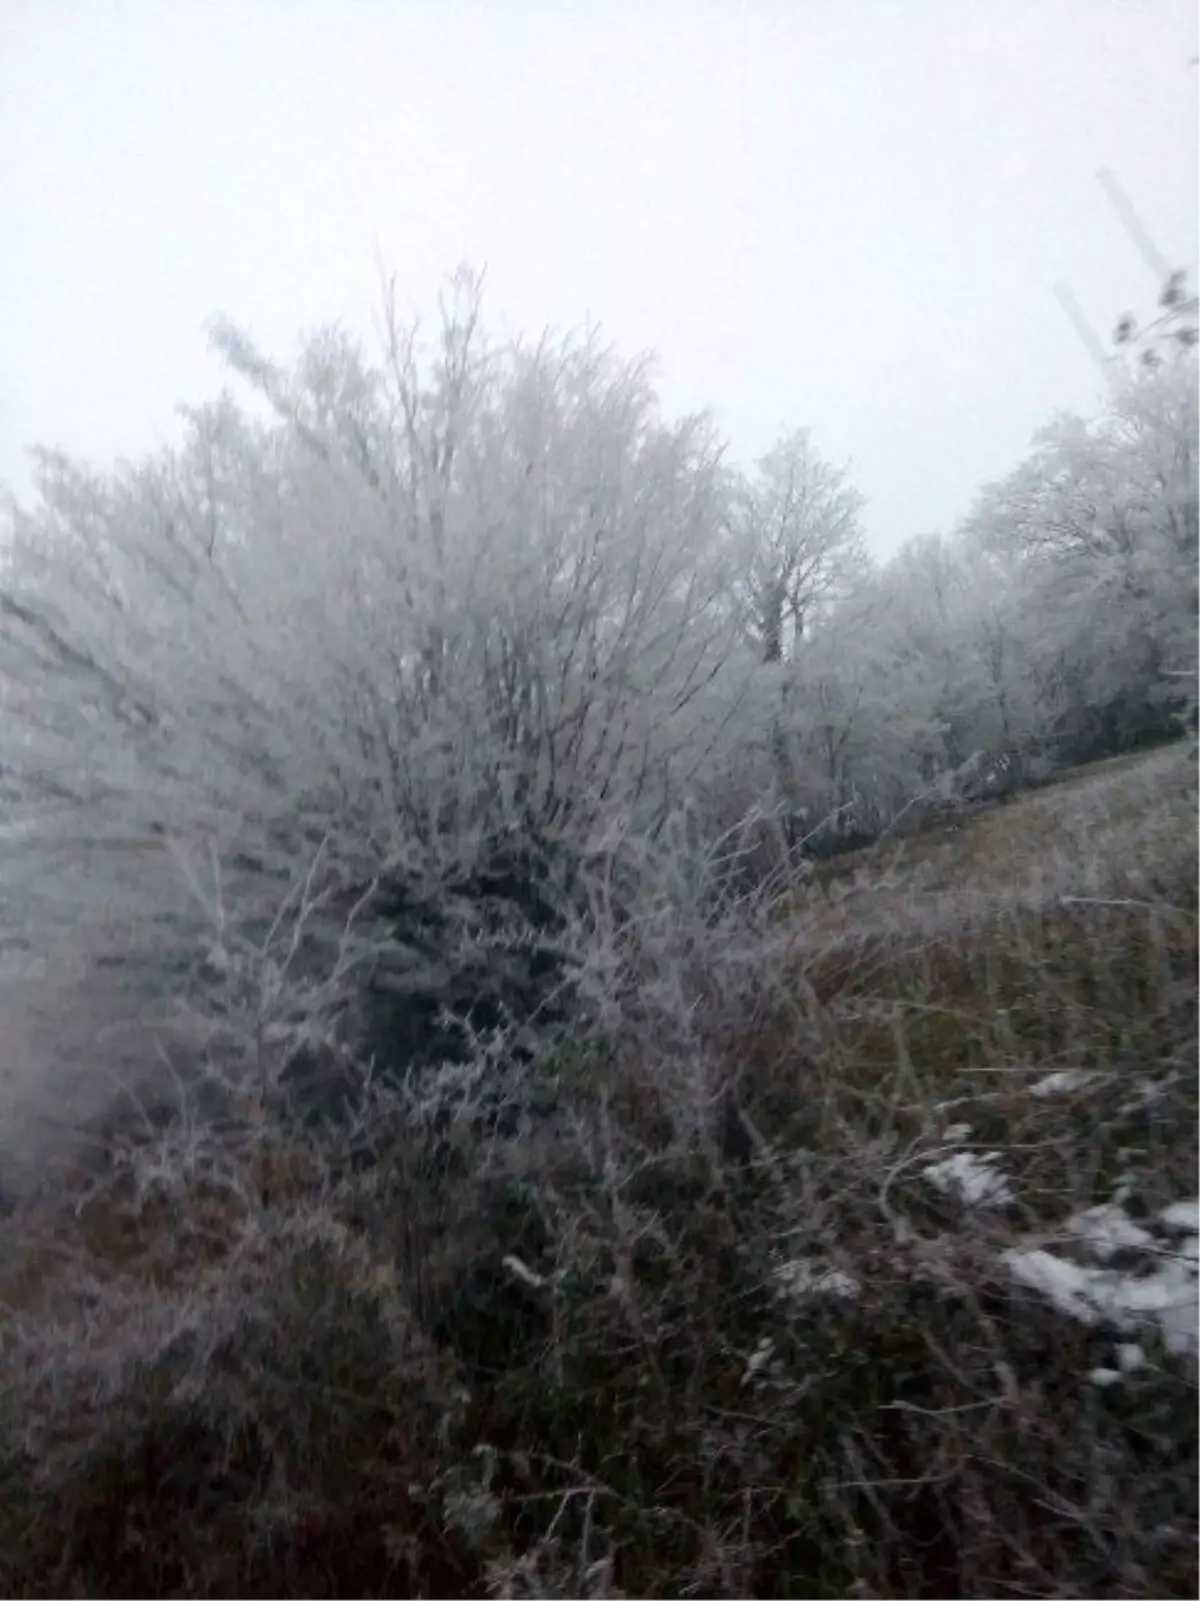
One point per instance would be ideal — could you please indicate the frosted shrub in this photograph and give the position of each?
(438, 615)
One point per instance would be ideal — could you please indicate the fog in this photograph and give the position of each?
(847, 217)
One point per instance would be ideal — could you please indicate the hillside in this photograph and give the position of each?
(914, 1315)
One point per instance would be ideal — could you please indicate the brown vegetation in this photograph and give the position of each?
(594, 1355)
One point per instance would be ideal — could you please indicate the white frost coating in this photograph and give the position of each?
(1063, 1082)
(1181, 1216)
(1106, 1229)
(801, 1279)
(977, 1182)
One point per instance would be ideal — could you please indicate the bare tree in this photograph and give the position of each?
(799, 522)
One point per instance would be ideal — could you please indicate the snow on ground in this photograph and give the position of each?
(1181, 1217)
(1163, 1292)
(1130, 1357)
(1064, 1082)
(1107, 1229)
(973, 1177)
(1167, 1297)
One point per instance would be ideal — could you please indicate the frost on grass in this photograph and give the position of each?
(466, 684)
(974, 1179)
(1148, 1095)
(800, 1280)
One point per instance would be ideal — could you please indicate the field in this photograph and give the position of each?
(859, 1260)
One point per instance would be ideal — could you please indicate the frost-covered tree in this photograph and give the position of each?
(954, 613)
(797, 543)
(860, 733)
(1102, 521)
(798, 519)
(427, 622)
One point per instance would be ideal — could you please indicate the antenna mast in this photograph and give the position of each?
(1090, 340)
(1133, 225)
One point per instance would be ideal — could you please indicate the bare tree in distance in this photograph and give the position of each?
(800, 545)
(799, 520)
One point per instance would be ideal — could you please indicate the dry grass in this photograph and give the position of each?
(607, 1350)
(205, 1396)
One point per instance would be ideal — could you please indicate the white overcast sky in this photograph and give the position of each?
(848, 214)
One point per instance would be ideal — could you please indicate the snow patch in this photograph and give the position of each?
(1108, 1229)
(1124, 1188)
(1103, 1377)
(1064, 1082)
(1182, 1217)
(1130, 1357)
(1094, 1295)
(974, 1178)
(758, 1360)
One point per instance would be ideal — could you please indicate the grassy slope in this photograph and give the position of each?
(773, 1359)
